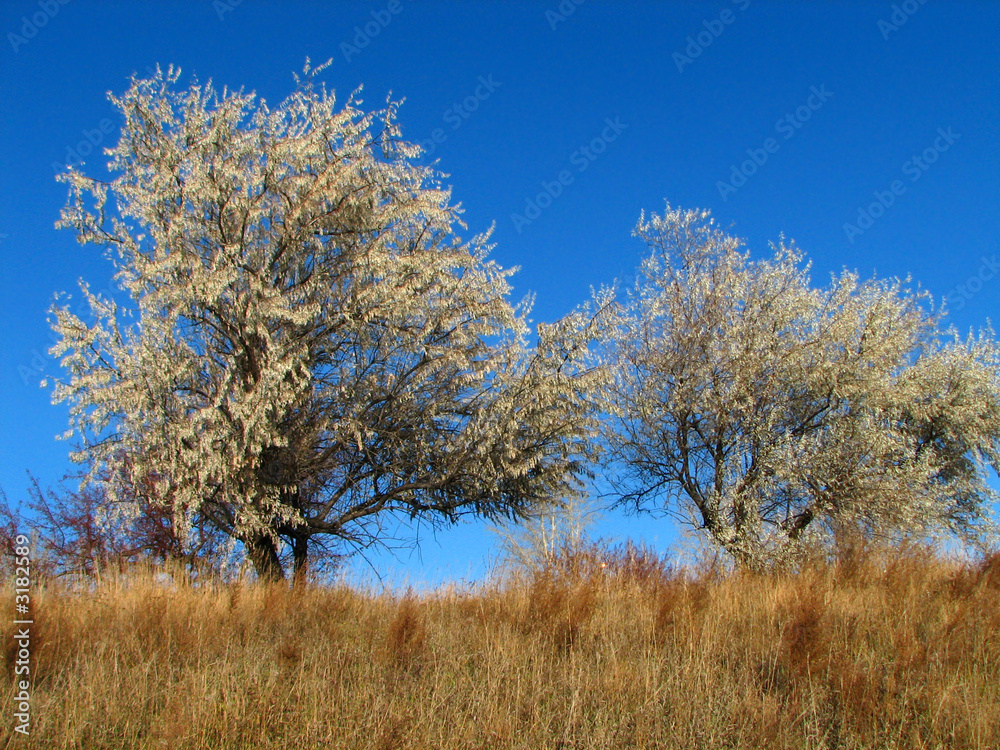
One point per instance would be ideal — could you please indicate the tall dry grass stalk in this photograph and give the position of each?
(603, 650)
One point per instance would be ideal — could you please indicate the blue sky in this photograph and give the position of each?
(865, 131)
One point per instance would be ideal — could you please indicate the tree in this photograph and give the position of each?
(314, 349)
(560, 530)
(73, 533)
(767, 412)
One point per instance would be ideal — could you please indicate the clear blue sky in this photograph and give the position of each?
(838, 103)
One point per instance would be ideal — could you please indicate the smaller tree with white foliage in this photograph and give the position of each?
(767, 412)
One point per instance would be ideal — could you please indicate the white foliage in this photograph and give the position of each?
(766, 411)
(313, 344)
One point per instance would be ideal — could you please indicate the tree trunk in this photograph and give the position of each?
(264, 556)
(300, 554)
(797, 524)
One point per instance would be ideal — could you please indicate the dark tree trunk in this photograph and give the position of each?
(264, 556)
(798, 523)
(300, 555)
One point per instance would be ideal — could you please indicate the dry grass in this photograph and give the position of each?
(878, 651)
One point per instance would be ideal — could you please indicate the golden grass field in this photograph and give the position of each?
(882, 650)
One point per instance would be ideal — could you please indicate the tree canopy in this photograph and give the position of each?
(309, 347)
(768, 412)
(304, 347)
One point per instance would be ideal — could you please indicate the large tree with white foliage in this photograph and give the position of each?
(767, 412)
(308, 348)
